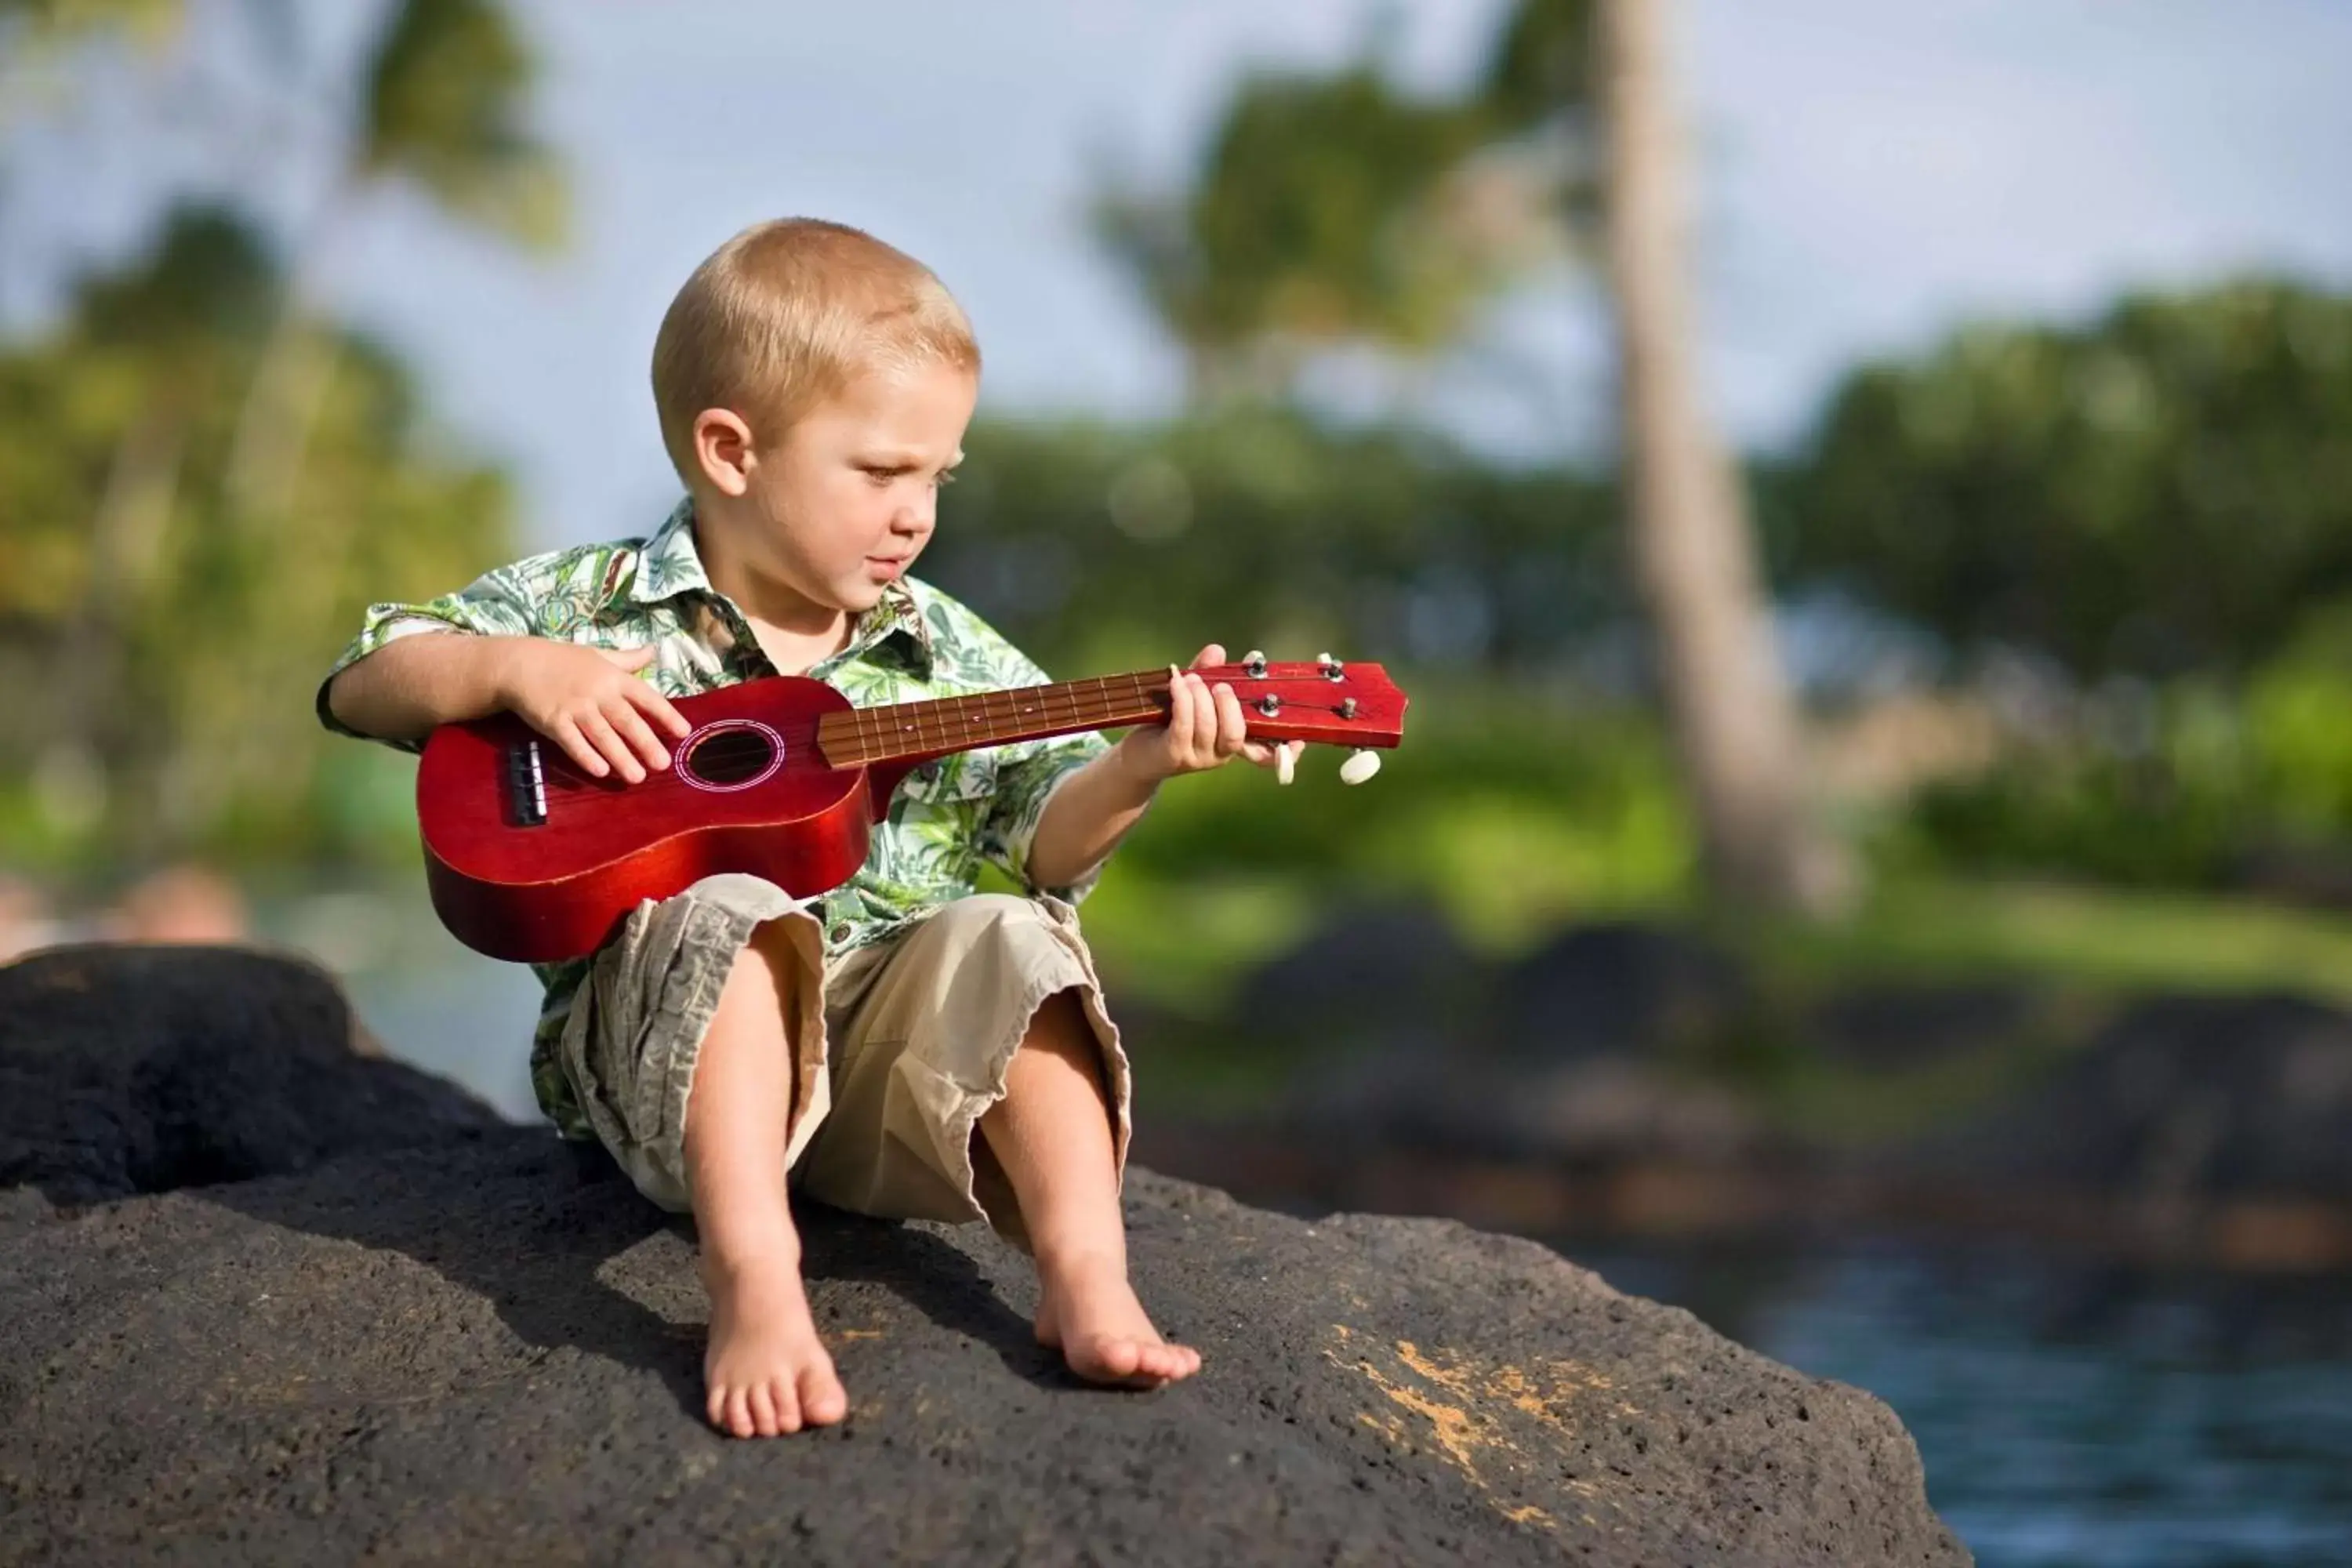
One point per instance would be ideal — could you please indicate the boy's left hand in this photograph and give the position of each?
(1205, 729)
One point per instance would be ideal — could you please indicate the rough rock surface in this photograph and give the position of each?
(482, 1349)
(472, 1351)
(129, 1068)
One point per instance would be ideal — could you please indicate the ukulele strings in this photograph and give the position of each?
(948, 721)
(869, 732)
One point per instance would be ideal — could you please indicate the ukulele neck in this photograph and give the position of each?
(904, 732)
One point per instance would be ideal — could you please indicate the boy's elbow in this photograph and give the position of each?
(354, 699)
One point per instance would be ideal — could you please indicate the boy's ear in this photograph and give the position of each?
(722, 449)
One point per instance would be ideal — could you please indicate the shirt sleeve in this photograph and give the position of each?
(493, 604)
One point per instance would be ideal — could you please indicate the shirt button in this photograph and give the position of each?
(840, 931)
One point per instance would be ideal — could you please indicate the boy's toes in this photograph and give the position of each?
(738, 1413)
(788, 1405)
(1170, 1361)
(763, 1411)
(822, 1400)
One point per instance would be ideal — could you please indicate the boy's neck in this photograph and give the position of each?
(794, 629)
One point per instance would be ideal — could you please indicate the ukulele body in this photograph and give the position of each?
(529, 858)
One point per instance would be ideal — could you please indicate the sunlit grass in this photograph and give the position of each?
(2125, 940)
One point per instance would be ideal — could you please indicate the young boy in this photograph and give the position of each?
(921, 1051)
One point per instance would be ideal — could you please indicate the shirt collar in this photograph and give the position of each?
(668, 566)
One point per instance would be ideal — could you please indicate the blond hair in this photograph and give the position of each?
(782, 315)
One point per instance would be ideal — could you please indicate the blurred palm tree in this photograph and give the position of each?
(261, 500)
(442, 109)
(1337, 210)
(1694, 544)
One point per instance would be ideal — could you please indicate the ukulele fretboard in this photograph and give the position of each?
(865, 736)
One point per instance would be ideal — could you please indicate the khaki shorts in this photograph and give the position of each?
(905, 1051)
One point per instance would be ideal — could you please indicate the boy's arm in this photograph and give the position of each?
(1084, 818)
(588, 700)
(470, 654)
(1081, 811)
(400, 692)
(398, 678)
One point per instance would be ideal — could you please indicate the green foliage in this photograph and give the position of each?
(1101, 548)
(1314, 220)
(2218, 773)
(1331, 210)
(1507, 809)
(1541, 65)
(39, 25)
(164, 648)
(202, 483)
(2161, 490)
(444, 105)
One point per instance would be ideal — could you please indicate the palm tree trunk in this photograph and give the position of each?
(1733, 720)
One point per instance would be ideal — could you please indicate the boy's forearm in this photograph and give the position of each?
(1086, 817)
(405, 687)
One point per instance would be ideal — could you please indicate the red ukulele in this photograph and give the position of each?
(529, 858)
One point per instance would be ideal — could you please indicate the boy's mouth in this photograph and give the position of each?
(886, 566)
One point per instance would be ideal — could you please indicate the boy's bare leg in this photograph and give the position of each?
(1050, 1135)
(767, 1371)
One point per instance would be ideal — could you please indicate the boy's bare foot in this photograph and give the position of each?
(767, 1370)
(1088, 1310)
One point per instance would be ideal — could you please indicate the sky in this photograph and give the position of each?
(1869, 175)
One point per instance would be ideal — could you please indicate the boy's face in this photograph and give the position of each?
(844, 503)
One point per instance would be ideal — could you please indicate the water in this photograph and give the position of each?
(2066, 1415)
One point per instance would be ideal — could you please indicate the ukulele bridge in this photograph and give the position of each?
(526, 785)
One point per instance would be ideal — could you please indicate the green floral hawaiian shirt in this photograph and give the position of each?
(948, 816)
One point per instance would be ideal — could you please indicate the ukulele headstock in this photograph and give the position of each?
(1328, 701)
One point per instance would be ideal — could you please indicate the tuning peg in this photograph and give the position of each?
(1362, 765)
(1253, 661)
(1286, 756)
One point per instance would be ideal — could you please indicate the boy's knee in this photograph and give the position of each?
(778, 950)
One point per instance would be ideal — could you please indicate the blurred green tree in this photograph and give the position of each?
(206, 470)
(1335, 210)
(169, 642)
(2165, 488)
(1327, 210)
(1105, 547)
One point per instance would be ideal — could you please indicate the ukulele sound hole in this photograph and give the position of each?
(730, 756)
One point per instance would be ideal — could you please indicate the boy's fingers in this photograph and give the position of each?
(599, 732)
(638, 733)
(1205, 720)
(631, 658)
(649, 700)
(1179, 704)
(1214, 653)
(566, 735)
(1233, 728)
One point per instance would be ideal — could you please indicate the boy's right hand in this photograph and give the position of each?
(590, 701)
